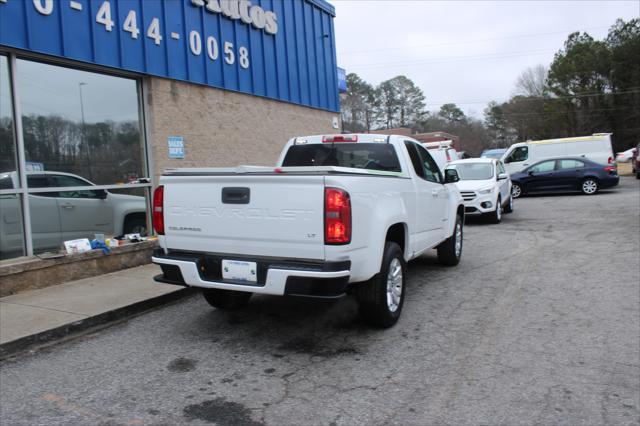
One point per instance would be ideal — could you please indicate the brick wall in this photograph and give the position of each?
(221, 128)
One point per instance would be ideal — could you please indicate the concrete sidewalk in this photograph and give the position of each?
(40, 316)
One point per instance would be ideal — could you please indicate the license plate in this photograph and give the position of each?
(238, 270)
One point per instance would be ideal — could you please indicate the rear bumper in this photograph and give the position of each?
(275, 276)
(610, 182)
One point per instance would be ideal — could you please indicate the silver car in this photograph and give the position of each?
(59, 216)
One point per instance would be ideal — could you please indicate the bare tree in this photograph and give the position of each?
(532, 82)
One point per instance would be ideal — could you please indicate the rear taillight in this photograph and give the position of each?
(158, 210)
(610, 160)
(337, 216)
(610, 169)
(340, 138)
(448, 156)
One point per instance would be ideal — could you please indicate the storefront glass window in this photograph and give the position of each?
(7, 142)
(80, 129)
(83, 123)
(11, 229)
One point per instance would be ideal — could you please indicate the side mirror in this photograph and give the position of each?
(102, 194)
(503, 176)
(451, 176)
(531, 172)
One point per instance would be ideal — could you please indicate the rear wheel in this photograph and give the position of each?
(589, 186)
(516, 190)
(380, 299)
(450, 251)
(226, 299)
(135, 225)
(509, 208)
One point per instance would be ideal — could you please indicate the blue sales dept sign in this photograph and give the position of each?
(176, 147)
(280, 49)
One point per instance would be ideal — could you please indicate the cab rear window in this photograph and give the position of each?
(369, 156)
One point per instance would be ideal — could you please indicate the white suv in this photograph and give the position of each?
(485, 187)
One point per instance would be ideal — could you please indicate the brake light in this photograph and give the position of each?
(337, 216)
(610, 169)
(448, 156)
(340, 138)
(610, 160)
(158, 210)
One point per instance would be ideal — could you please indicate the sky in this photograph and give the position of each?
(463, 52)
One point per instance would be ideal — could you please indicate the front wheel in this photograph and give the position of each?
(226, 299)
(496, 215)
(589, 186)
(380, 299)
(450, 251)
(516, 190)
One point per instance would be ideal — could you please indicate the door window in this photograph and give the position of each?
(501, 168)
(544, 167)
(415, 158)
(571, 164)
(431, 169)
(521, 153)
(63, 180)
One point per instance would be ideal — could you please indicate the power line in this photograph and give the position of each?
(356, 52)
(451, 59)
(635, 89)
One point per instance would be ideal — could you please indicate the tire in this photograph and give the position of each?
(449, 252)
(135, 225)
(589, 186)
(516, 191)
(496, 215)
(226, 299)
(379, 303)
(509, 208)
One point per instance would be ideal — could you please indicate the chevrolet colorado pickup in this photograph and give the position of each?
(339, 213)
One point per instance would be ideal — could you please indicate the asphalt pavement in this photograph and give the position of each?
(539, 324)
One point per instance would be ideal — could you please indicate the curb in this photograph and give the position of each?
(76, 328)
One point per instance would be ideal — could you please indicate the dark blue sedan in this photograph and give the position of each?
(564, 175)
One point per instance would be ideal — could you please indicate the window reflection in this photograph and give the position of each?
(68, 215)
(80, 122)
(7, 142)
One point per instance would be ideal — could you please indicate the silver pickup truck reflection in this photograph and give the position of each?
(59, 216)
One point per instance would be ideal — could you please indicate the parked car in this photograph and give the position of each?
(339, 213)
(625, 156)
(596, 148)
(564, 175)
(59, 216)
(442, 152)
(485, 187)
(493, 153)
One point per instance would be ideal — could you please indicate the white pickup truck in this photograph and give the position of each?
(339, 213)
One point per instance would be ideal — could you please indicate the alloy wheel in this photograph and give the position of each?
(589, 186)
(394, 285)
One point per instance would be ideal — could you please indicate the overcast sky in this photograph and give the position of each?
(465, 52)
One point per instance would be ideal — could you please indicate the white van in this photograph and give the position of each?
(595, 148)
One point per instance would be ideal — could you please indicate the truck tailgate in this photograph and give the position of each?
(260, 215)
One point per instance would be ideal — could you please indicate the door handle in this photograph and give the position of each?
(525, 164)
(68, 206)
(435, 192)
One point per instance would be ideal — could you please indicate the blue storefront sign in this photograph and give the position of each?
(176, 146)
(342, 80)
(280, 49)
